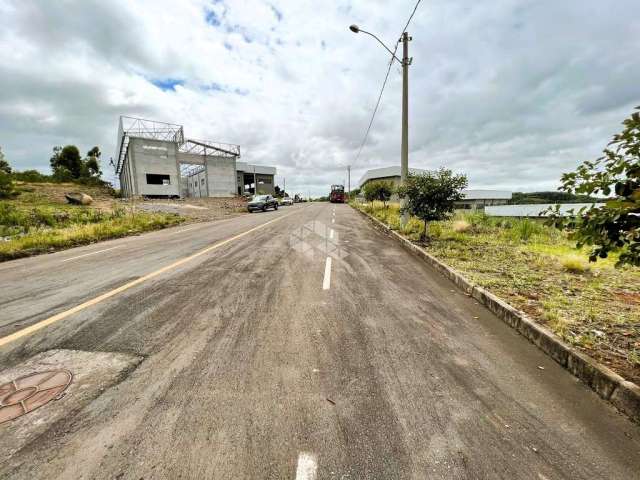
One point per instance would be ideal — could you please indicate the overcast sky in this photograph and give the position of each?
(510, 92)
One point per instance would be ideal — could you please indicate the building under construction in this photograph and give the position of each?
(154, 159)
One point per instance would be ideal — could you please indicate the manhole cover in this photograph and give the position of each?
(27, 393)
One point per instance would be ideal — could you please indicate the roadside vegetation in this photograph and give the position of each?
(35, 216)
(578, 274)
(538, 269)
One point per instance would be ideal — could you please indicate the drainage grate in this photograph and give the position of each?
(25, 394)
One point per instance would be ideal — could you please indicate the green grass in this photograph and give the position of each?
(592, 306)
(29, 230)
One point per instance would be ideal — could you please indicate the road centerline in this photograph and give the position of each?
(90, 253)
(100, 298)
(307, 466)
(326, 283)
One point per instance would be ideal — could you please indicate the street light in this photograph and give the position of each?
(404, 149)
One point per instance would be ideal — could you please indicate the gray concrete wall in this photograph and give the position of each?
(222, 176)
(154, 157)
(197, 185)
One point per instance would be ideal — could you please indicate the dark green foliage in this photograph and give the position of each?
(67, 165)
(615, 225)
(4, 165)
(519, 198)
(7, 189)
(67, 158)
(379, 190)
(430, 196)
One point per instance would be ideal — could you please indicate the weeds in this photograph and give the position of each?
(575, 264)
(538, 270)
(40, 229)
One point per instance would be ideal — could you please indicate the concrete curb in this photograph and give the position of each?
(622, 394)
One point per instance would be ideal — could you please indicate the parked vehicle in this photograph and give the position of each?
(337, 194)
(287, 201)
(262, 202)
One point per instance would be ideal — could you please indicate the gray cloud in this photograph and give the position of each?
(512, 92)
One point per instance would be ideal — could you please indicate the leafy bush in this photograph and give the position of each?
(614, 226)
(379, 190)
(430, 196)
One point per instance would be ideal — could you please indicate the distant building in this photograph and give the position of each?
(473, 199)
(478, 199)
(390, 174)
(154, 159)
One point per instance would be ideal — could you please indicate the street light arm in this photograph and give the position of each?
(382, 43)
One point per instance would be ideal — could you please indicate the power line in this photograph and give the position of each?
(384, 83)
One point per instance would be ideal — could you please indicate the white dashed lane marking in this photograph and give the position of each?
(91, 253)
(326, 283)
(307, 466)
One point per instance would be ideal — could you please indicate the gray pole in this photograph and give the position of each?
(404, 151)
(255, 183)
(284, 188)
(348, 180)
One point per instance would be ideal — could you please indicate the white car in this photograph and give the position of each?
(287, 201)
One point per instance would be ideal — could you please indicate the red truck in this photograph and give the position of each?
(337, 194)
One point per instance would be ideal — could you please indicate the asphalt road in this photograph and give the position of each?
(260, 358)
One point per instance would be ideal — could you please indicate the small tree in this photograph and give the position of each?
(7, 189)
(4, 165)
(614, 225)
(67, 157)
(379, 190)
(91, 164)
(430, 196)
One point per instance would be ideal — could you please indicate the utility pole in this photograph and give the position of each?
(348, 181)
(284, 188)
(404, 149)
(255, 183)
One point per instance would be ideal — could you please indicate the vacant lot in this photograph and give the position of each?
(593, 306)
(40, 220)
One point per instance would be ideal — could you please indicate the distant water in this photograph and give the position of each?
(531, 210)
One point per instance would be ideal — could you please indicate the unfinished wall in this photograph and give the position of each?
(154, 157)
(222, 177)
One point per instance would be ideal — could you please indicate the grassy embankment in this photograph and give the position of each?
(39, 220)
(592, 306)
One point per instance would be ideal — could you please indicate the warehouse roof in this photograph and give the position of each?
(471, 194)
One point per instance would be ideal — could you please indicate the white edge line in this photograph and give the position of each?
(331, 234)
(91, 253)
(326, 283)
(307, 466)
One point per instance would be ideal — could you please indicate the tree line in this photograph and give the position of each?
(66, 163)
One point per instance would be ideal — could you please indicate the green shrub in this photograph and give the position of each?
(524, 229)
(7, 189)
(575, 264)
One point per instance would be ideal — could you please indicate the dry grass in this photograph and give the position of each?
(575, 264)
(40, 220)
(592, 306)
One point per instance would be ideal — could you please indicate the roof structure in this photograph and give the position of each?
(470, 194)
(131, 127)
(385, 172)
(487, 195)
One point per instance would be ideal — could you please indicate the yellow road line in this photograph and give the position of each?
(62, 315)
